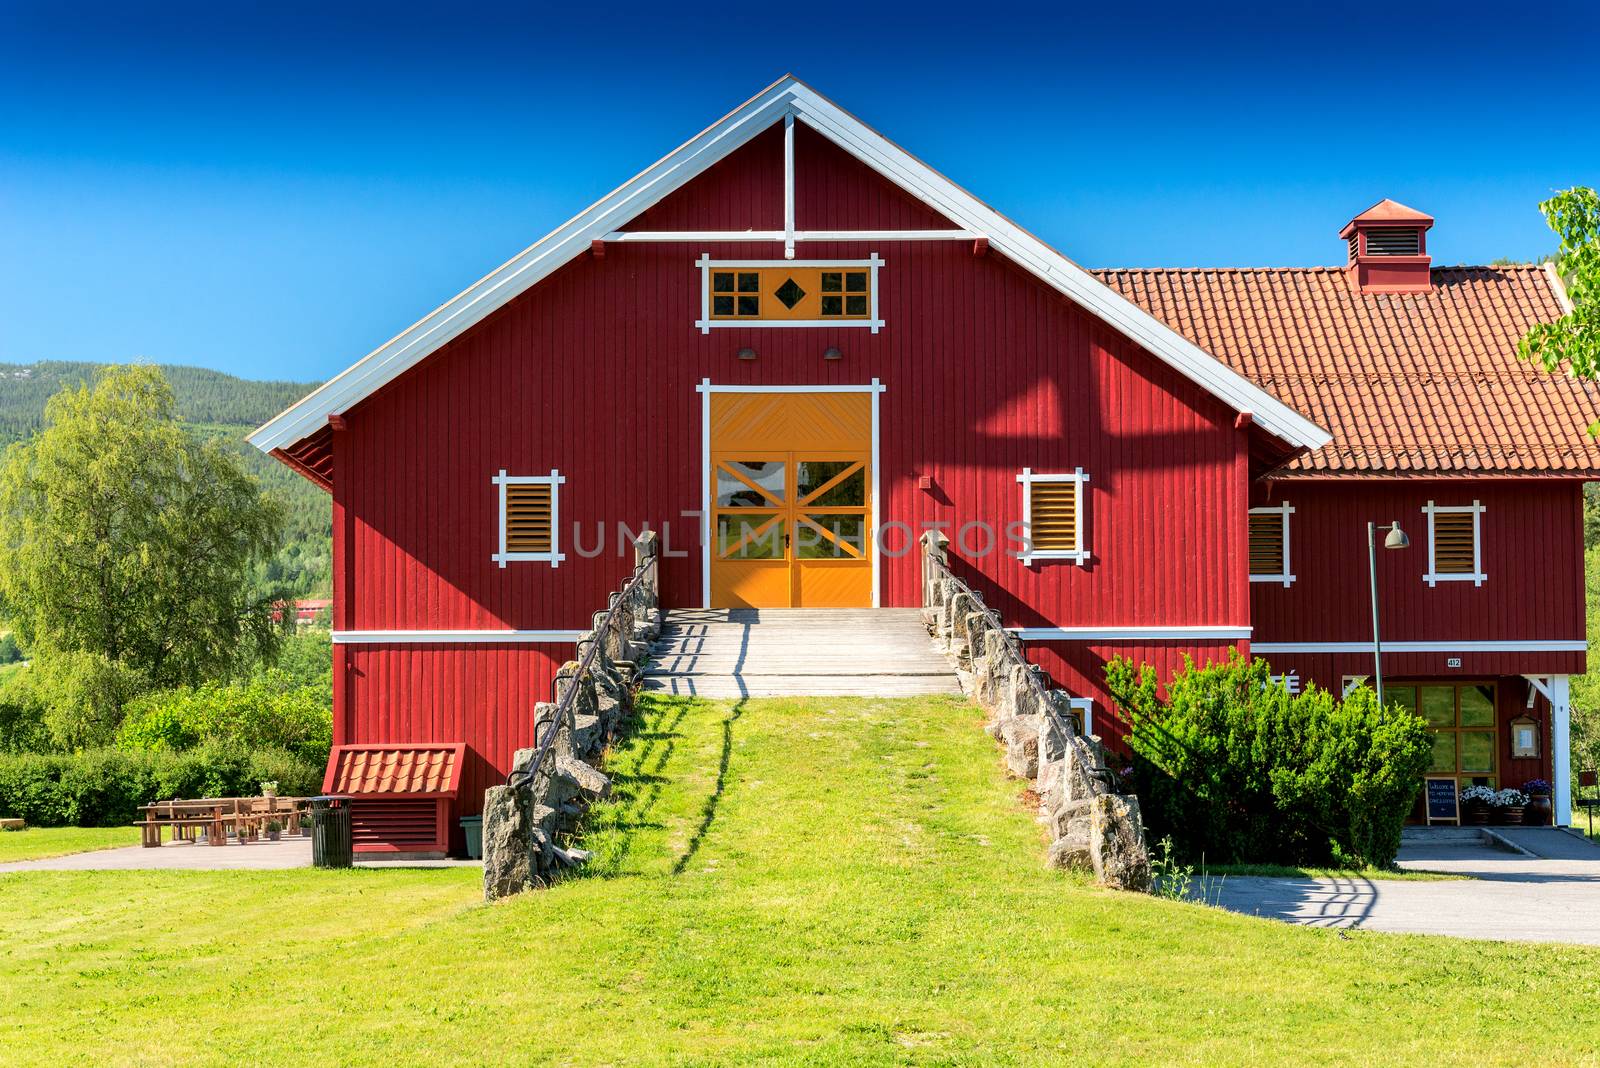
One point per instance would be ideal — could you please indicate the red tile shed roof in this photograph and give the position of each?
(421, 769)
(1408, 384)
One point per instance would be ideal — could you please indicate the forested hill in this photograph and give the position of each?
(217, 405)
(204, 397)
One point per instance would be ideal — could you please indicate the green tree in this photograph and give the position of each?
(1572, 341)
(129, 541)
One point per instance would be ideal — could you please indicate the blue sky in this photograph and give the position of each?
(275, 190)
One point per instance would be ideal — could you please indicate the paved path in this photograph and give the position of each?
(875, 652)
(293, 852)
(1552, 896)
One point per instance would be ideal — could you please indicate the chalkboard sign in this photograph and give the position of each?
(1443, 802)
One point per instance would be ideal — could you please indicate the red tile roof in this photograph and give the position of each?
(421, 769)
(1408, 384)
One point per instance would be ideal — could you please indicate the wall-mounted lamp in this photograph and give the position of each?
(831, 353)
(747, 354)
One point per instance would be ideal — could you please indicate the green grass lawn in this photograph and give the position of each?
(831, 881)
(1582, 822)
(35, 843)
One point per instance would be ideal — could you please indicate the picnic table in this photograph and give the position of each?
(247, 817)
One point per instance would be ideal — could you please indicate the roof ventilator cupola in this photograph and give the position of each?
(1389, 249)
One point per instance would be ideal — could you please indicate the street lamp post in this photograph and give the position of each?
(1395, 539)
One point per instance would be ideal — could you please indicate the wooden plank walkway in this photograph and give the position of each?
(768, 652)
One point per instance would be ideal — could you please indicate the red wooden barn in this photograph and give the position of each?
(1193, 456)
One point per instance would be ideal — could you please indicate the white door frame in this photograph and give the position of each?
(706, 389)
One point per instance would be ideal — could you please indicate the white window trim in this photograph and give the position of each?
(1029, 554)
(1286, 576)
(554, 481)
(1348, 684)
(706, 324)
(1084, 706)
(1477, 577)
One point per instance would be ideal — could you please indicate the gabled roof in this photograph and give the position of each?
(787, 95)
(1392, 211)
(1411, 384)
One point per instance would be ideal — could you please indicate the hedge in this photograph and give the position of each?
(268, 711)
(105, 787)
(1235, 769)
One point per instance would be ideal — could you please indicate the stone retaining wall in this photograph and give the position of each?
(1090, 826)
(528, 827)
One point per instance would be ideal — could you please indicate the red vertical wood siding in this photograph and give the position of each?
(482, 695)
(593, 373)
(1532, 554)
(987, 372)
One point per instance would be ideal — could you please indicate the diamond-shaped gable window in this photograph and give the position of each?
(790, 293)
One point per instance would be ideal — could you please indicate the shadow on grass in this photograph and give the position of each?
(636, 792)
(708, 814)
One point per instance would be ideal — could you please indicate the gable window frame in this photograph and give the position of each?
(1080, 555)
(554, 480)
(706, 323)
(1285, 575)
(1433, 576)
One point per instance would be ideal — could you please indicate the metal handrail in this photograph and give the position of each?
(565, 703)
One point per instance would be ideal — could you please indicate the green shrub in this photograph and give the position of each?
(105, 787)
(1238, 770)
(265, 712)
(30, 787)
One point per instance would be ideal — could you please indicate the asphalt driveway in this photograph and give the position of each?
(1551, 893)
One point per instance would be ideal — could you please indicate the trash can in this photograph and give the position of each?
(472, 826)
(330, 832)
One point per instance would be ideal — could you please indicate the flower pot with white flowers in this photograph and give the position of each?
(1509, 806)
(1476, 802)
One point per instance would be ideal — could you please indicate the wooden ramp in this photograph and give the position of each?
(797, 652)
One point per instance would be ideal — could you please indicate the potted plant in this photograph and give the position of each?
(1539, 811)
(1475, 803)
(274, 830)
(269, 789)
(1509, 805)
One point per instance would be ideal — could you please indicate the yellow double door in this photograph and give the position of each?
(790, 486)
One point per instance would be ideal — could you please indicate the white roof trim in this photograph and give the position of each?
(787, 95)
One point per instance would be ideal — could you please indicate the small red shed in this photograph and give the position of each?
(402, 795)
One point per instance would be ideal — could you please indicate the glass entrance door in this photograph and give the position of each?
(1464, 724)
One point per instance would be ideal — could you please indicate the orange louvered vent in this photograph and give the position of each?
(1053, 518)
(1266, 543)
(1454, 551)
(528, 517)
